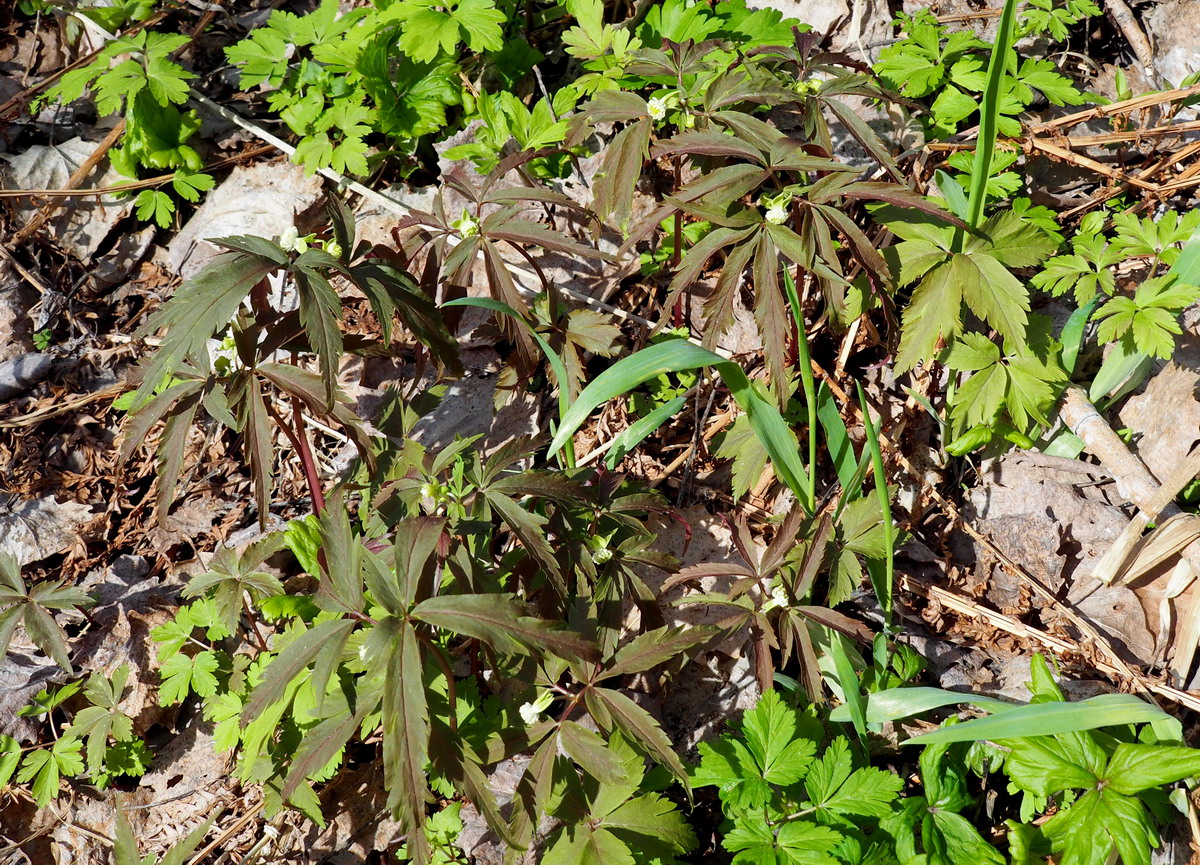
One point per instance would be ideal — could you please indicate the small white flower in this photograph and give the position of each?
(468, 226)
(777, 210)
(333, 248)
(602, 555)
(291, 240)
(530, 712)
(657, 108)
(778, 599)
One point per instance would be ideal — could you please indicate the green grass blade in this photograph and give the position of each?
(956, 199)
(1047, 719)
(639, 429)
(804, 361)
(848, 681)
(989, 116)
(1187, 266)
(1121, 370)
(883, 593)
(676, 355)
(897, 703)
(837, 441)
(1072, 333)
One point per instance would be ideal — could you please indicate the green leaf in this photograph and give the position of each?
(10, 756)
(652, 825)
(288, 664)
(950, 839)
(156, 205)
(637, 726)
(676, 355)
(189, 184)
(1087, 832)
(1135, 767)
(45, 767)
(934, 314)
(406, 738)
(905, 702)
(795, 843)
(591, 753)
(182, 674)
(200, 307)
(834, 787)
(651, 648)
(500, 621)
(581, 844)
(1042, 719)
(32, 606)
(770, 731)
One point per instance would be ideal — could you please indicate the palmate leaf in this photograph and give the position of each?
(647, 650)
(590, 752)
(230, 575)
(102, 718)
(327, 636)
(1087, 832)
(835, 787)
(200, 307)
(798, 843)
(46, 766)
(623, 160)
(320, 314)
(613, 711)
(31, 606)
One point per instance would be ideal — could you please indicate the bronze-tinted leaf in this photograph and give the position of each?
(406, 739)
(289, 663)
(200, 307)
(501, 622)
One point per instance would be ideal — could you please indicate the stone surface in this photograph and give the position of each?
(1174, 28)
(262, 199)
(1050, 517)
(16, 299)
(821, 14)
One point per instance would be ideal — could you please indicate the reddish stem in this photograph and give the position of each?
(306, 458)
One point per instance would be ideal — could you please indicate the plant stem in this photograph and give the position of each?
(262, 642)
(306, 458)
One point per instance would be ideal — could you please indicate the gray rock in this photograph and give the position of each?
(261, 199)
(1174, 27)
(21, 373)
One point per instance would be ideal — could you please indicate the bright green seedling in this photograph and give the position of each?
(1055, 17)
(44, 768)
(136, 75)
(1148, 322)
(931, 62)
(104, 718)
(785, 803)
(932, 829)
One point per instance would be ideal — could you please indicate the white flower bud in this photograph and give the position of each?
(468, 226)
(291, 240)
